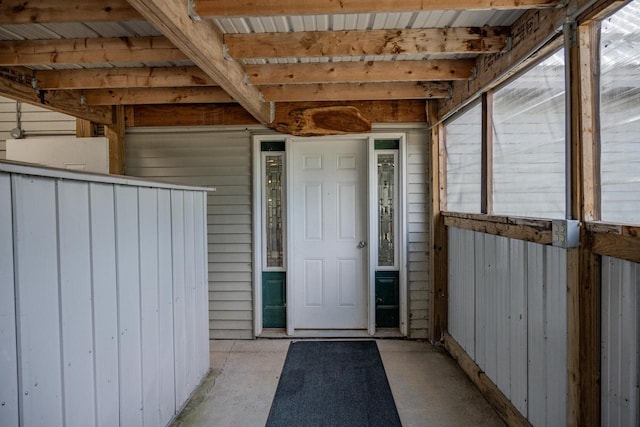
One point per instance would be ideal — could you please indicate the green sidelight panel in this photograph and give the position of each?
(387, 144)
(272, 146)
(387, 299)
(274, 300)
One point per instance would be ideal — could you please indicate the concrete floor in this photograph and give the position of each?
(428, 386)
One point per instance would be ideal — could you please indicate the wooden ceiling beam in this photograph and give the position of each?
(119, 78)
(90, 50)
(138, 96)
(243, 8)
(356, 91)
(202, 43)
(54, 11)
(355, 72)
(16, 84)
(371, 42)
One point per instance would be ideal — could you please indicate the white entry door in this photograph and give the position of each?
(329, 223)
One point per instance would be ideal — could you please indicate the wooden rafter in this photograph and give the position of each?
(118, 78)
(344, 72)
(243, 8)
(202, 43)
(137, 96)
(372, 42)
(90, 50)
(52, 11)
(16, 84)
(356, 91)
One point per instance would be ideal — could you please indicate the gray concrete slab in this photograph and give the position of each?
(428, 386)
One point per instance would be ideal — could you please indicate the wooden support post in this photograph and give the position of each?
(439, 257)
(583, 266)
(116, 134)
(85, 128)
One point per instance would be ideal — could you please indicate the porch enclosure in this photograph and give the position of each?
(548, 326)
(103, 302)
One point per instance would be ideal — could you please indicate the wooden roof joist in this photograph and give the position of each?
(137, 96)
(371, 42)
(89, 50)
(356, 91)
(52, 11)
(244, 8)
(118, 78)
(356, 72)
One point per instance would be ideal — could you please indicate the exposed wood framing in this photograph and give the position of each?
(527, 229)
(491, 392)
(188, 115)
(119, 78)
(439, 259)
(86, 129)
(17, 84)
(343, 72)
(318, 121)
(534, 34)
(239, 8)
(202, 43)
(116, 135)
(614, 240)
(371, 42)
(356, 91)
(50, 11)
(134, 96)
(398, 111)
(91, 50)
(486, 177)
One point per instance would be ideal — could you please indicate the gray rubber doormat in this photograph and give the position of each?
(333, 383)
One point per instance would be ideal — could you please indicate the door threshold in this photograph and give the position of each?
(331, 333)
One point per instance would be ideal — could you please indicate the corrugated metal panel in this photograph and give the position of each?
(222, 160)
(620, 342)
(507, 308)
(96, 313)
(418, 163)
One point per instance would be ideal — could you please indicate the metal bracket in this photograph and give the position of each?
(191, 11)
(565, 233)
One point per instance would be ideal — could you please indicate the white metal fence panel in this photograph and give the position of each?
(87, 320)
(620, 342)
(507, 309)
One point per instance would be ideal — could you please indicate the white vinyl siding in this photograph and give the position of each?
(418, 214)
(220, 159)
(36, 121)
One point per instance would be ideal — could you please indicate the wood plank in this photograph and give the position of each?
(188, 115)
(530, 233)
(489, 390)
(344, 72)
(16, 84)
(355, 91)
(318, 121)
(620, 229)
(242, 8)
(409, 111)
(53, 11)
(118, 78)
(202, 43)
(136, 96)
(438, 235)
(88, 50)
(617, 246)
(86, 129)
(486, 186)
(369, 42)
(116, 134)
(531, 35)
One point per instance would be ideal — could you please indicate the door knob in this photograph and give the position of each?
(362, 244)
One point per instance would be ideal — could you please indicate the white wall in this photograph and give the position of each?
(620, 343)
(507, 309)
(103, 299)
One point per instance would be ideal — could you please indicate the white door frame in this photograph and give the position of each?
(371, 225)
